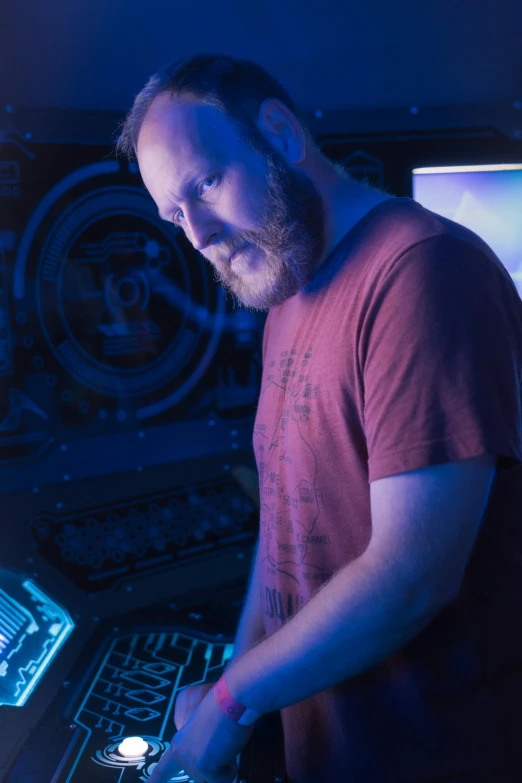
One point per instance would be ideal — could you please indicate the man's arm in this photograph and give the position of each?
(251, 627)
(424, 525)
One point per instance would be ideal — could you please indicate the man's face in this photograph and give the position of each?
(204, 176)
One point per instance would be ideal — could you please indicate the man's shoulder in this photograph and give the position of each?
(406, 223)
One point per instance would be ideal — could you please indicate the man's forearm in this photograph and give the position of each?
(359, 618)
(251, 627)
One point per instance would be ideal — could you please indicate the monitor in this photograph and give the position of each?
(485, 198)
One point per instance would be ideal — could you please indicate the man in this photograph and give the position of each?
(383, 616)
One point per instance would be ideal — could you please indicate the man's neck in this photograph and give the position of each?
(348, 203)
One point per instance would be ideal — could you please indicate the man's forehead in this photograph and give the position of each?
(188, 126)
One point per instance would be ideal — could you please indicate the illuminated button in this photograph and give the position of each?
(133, 747)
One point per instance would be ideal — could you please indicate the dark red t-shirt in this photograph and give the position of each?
(404, 351)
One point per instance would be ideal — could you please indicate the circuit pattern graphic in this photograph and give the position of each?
(132, 694)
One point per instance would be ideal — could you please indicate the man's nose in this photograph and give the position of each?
(203, 232)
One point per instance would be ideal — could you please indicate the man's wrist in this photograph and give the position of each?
(236, 711)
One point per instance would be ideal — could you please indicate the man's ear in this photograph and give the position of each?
(282, 130)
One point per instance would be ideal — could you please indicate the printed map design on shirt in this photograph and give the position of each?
(287, 464)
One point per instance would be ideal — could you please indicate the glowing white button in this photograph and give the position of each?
(133, 747)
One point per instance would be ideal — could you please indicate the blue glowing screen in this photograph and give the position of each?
(32, 630)
(486, 199)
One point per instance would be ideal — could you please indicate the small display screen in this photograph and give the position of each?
(33, 628)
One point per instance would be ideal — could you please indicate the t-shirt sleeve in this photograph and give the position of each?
(441, 360)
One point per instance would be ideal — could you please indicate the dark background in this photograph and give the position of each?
(128, 381)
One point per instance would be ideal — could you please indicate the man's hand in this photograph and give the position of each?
(206, 747)
(188, 701)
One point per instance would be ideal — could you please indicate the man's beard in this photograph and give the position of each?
(290, 234)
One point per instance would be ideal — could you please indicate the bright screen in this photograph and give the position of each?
(33, 628)
(486, 199)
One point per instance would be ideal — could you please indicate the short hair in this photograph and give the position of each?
(235, 86)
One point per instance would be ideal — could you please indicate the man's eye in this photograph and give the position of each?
(210, 180)
(179, 215)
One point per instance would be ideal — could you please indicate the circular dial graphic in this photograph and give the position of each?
(127, 307)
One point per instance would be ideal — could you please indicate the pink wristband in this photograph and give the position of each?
(232, 708)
